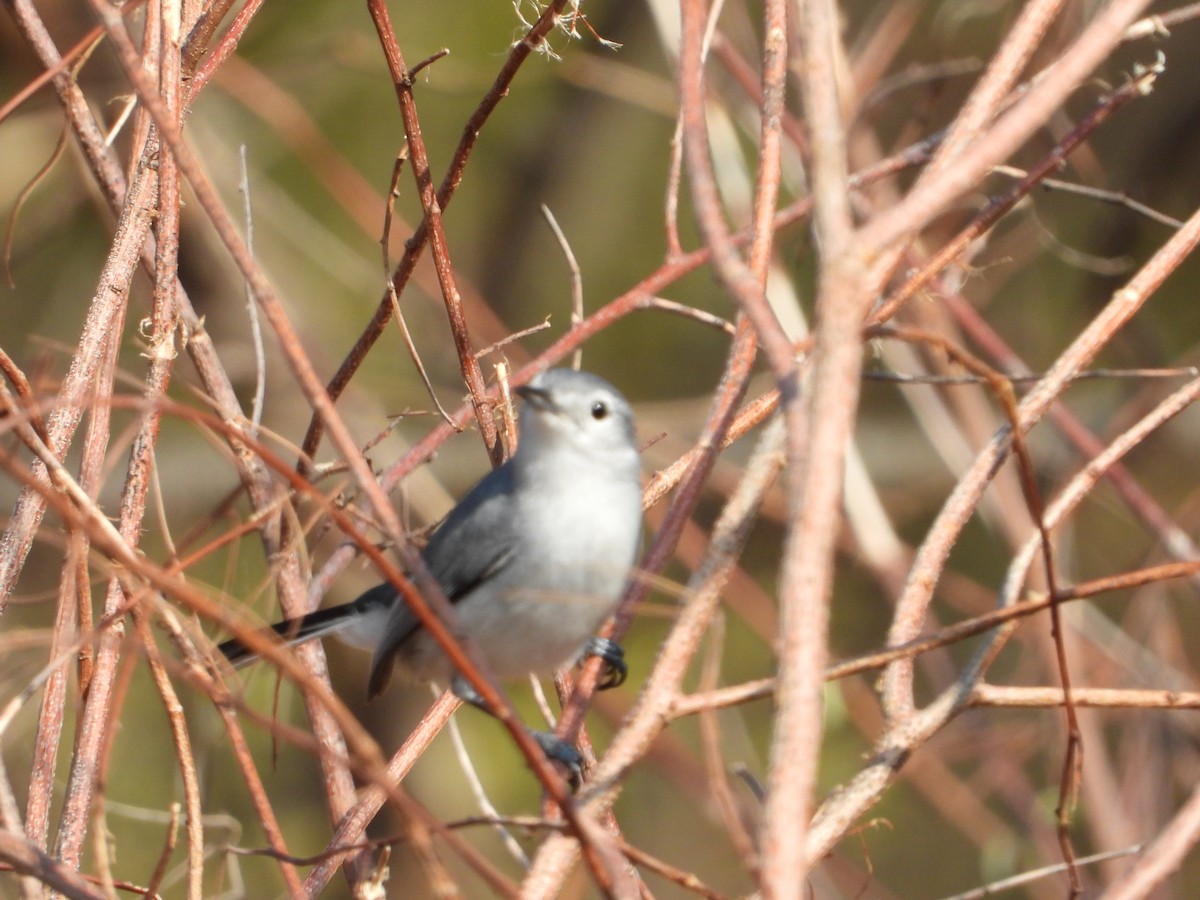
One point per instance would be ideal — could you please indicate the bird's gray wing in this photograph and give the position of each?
(476, 539)
(473, 544)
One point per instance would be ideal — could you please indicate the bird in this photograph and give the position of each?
(534, 558)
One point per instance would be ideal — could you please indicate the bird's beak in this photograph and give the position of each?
(538, 398)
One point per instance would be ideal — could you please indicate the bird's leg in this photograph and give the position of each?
(552, 745)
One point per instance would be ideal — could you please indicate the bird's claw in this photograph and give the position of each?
(615, 669)
(559, 751)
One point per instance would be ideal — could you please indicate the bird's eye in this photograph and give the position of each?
(599, 410)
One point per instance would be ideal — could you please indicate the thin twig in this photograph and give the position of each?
(576, 278)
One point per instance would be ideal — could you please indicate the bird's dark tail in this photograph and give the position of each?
(356, 622)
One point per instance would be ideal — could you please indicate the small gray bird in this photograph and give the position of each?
(534, 557)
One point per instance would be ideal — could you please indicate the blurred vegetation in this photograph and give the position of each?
(588, 135)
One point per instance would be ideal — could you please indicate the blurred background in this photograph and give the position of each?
(587, 133)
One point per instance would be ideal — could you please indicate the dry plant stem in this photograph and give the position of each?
(686, 880)
(73, 818)
(332, 745)
(816, 464)
(749, 416)
(96, 713)
(733, 695)
(1163, 856)
(79, 511)
(183, 750)
(1090, 698)
(164, 325)
(354, 824)
(919, 206)
(29, 860)
(983, 694)
(750, 83)
(671, 203)
(130, 236)
(127, 241)
(384, 243)
(1003, 392)
(104, 317)
(201, 33)
(1099, 195)
(931, 556)
(1073, 754)
(132, 228)
(164, 858)
(651, 715)
(292, 575)
(479, 794)
(1000, 886)
(256, 338)
(50, 715)
(24, 402)
(204, 357)
(1008, 133)
(1176, 541)
(419, 836)
(906, 729)
(104, 167)
(694, 467)
(265, 647)
(79, 51)
(426, 597)
(279, 544)
(102, 162)
(284, 113)
(745, 282)
(224, 49)
(76, 509)
(576, 278)
(1083, 483)
(746, 285)
(136, 122)
(445, 193)
(351, 829)
(1156, 25)
(988, 96)
(998, 206)
(469, 365)
(74, 615)
(421, 822)
(1080, 487)
(716, 767)
(101, 849)
(10, 823)
(258, 794)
